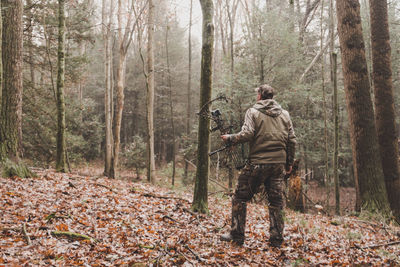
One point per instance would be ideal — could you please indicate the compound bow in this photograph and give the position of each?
(220, 124)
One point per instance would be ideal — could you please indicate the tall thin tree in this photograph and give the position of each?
(1, 61)
(200, 201)
(11, 108)
(125, 35)
(366, 159)
(106, 30)
(61, 162)
(333, 68)
(171, 107)
(384, 101)
(189, 86)
(151, 166)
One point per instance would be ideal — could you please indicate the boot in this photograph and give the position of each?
(230, 238)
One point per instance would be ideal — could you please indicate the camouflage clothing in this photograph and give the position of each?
(269, 130)
(250, 179)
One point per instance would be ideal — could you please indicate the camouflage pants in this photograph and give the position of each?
(271, 175)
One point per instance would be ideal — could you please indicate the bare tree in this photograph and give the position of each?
(171, 107)
(106, 31)
(200, 201)
(125, 34)
(189, 86)
(151, 166)
(61, 160)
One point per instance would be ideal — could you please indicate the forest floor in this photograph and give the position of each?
(134, 223)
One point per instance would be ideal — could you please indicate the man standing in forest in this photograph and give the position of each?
(270, 132)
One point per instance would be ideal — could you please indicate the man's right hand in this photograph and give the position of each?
(289, 169)
(225, 137)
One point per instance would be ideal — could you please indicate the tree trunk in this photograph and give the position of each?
(120, 94)
(11, 108)
(364, 140)
(384, 101)
(1, 60)
(30, 43)
(171, 108)
(189, 86)
(200, 201)
(108, 88)
(336, 139)
(326, 152)
(150, 96)
(61, 162)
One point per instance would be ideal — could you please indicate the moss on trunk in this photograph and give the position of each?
(11, 107)
(364, 140)
(384, 101)
(200, 201)
(61, 165)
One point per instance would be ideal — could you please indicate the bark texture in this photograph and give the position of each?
(61, 165)
(171, 109)
(108, 88)
(364, 140)
(151, 166)
(11, 108)
(384, 101)
(189, 86)
(200, 201)
(336, 134)
(120, 93)
(1, 60)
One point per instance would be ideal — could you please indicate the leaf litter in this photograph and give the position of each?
(84, 221)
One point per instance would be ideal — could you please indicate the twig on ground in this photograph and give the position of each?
(382, 245)
(312, 202)
(27, 238)
(164, 197)
(15, 229)
(221, 185)
(102, 185)
(189, 211)
(72, 235)
(183, 255)
(170, 218)
(195, 254)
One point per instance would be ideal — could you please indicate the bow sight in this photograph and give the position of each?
(220, 123)
(216, 116)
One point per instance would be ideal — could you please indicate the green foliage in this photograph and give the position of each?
(11, 169)
(134, 154)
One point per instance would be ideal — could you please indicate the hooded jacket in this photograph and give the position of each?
(269, 130)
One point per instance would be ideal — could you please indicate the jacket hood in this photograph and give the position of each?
(269, 107)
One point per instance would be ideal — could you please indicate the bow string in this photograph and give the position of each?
(221, 125)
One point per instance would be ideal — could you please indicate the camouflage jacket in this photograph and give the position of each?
(269, 130)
